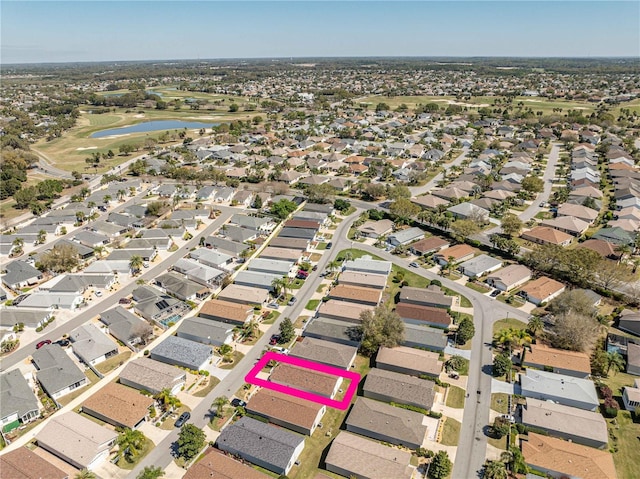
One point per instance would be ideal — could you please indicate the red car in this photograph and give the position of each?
(274, 340)
(42, 343)
(302, 274)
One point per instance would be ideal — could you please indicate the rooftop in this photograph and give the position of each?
(216, 465)
(304, 379)
(558, 358)
(425, 362)
(124, 406)
(284, 407)
(407, 389)
(23, 463)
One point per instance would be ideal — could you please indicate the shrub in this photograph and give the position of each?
(610, 412)
(38, 329)
(436, 282)
(146, 352)
(436, 415)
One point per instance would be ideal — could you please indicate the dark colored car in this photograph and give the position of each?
(329, 245)
(184, 417)
(274, 340)
(292, 301)
(235, 402)
(124, 301)
(302, 275)
(62, 342)
(42, 343)
(495, 293)
(315, 267)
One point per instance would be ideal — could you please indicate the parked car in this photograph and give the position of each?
(302, 274)
(145, 264)
(273, 305)
(42, 343)
(495, 293)
(509, 418)
(62, 342)
(414, 265)
(292, 301)
(124, 301)
(329, 245)
(274, 340)
(454, 375)
(98, 294)
(184, 417)
(315, 267)
(236, 402)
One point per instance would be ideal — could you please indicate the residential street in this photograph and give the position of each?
(420, 190)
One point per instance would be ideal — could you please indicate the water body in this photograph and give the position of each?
(156, 125)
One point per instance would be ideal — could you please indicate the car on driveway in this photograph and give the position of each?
(292, 301)
(42, 343)
(62, 342)
(98, 294)
(273, 305)
(236, 402)
(124, 301)
(274, 340)
(184, 417)
(315, 267)
(329, 245)
(495, 293)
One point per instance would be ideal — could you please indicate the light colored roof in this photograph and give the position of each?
(216, 465)
(124, 406)
(152, 375)
(423, 313)
(408, 234)
(355, 294)
(304, 378)
(363, 279)
(367, 264)
(326, 352)
(343, 309)
(568, 223)
(408, 358)
(15, 395)
(247, 294)
(569, 420)
(568, 458)
(511, 274)
(404, 389)
(554, 386)
(429, 201)
(542, 287)
(89, 343)
(368, 459)
(480, 264)
(430, 244)
(457, 251)
(376, 227)
(225, 310)
(284, 407)
(23, 463)
(558, 358)
(75, 437)
(547, 235)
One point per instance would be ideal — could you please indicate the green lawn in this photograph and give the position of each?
(413, 280)
(355, 254)
(321, 246)
(624, 434)
(455, 397)
(450, 432)
(146, 449)
(237, 357)
(464, 301)
(477, 287)
(113, 362)
(508, 323)
(168, 423)
(212, 383)
(499, 402)
(312, 304)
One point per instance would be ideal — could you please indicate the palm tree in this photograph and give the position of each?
(250, 329)
(120, 194)
(135, 263)
(167, 400)
(535, 324)
(99, 250)
(495, 470)
(219, 403)
(614, 361)
(333, 265)
(107, 199)
(150, 472)
(84, 192)
(279, 286)
(42, 236)
(85, 474)
(521, 337)
(130, 443)
(17, 244)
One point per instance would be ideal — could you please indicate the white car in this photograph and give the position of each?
(98, 293)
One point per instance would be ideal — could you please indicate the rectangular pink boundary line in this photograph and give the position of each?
(252, 378)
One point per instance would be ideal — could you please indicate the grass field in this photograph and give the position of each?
(499, 402)
(508, 323)
(455, 397)
(113, 362)
(450, 432)
(624, 443)
(212, 382)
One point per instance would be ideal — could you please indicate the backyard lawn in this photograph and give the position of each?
(624, 434)
(113, 362)
(312, 304)
(146, 449)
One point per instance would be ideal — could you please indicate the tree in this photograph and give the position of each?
(574, 331)
(495, 470)
(373, 190)
(380, 327)
(341, 205)
(62, 258)
(398, 191)
(219, 403)
(614, 361)
(138, 167)
(130, 443)
(25, 196)
(287, 331)
(49, 189)
(462, 229)
(382, 107)
(535, 325)
(333, 265)
(533, 184)
(233, 108)
(403, 210)
(283, 208)
(135, 263)
(501, 364)
(440, 465)
(157, 208)
(501, 427)
(42, 236)
(466, 330)
(575, 301)
(280, 286)
(511, 225)
(257, 202)
(321, 193)
(167, 400)
(85, 474)
(150, 472)
(610, 274)
(191, 440)
(455, 363)
(126, 149)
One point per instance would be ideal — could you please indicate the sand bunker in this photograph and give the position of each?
(87, 148)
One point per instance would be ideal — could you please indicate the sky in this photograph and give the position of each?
(54, 31)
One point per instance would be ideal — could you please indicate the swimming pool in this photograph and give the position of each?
(174, 318)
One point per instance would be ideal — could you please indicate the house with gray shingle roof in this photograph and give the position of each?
(91, 345)
(262, 444)
(424, 337)
(206, 331)
(56, 372)
(18, 404)
(567, 390)
(480, 265)
(389, 386)
(333, 330)
(182, 352)
(405, 236)
(20, 274)
(325, 352)
(30, 318)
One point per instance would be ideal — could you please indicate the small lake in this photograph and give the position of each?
(156, 125)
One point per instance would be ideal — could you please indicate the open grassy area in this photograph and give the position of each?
(624, 435)
(217, 422)
(146, 449)
(398, 275)
(212, 382)
(237, 357)
(464, 301)
(499, 402)
(450, 432)
(478, 287)
(499, 443)
(312, 304)
(113, 362)
(508, 323)
(455, 397)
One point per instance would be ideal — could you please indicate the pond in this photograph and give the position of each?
(152, 126)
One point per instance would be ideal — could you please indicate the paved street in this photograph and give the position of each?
(419, 190)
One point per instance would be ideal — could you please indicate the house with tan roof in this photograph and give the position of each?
(560, 361)
(376, 229)
(342, 310)
(541, 290)
(423, 315)
(310, 380)
(389, 386)
(560, 458)
(368, 280)
(216, 465)
(387, 423)
(153, 376)
(22, 463)
(324, 352)
(509, 277)
(429, 245)
(567, 224)
(431, 296)
(414, 362)
(226, 311)
(353, 455)
(429, 202)
(356, 294)
(284, 410)
(578, 211)
(458, 253)
(547, 235)
(603, 248)
(119, 406)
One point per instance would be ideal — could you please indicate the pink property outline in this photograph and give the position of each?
(252, 378)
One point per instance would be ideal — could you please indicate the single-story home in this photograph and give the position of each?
(119, 406)
(212, 258)
(352, 455)
(126, 326)
(264, 445)
(91, 345)
(310, 380)
(236, 293)
(541, 290)
(334, 330)
(20, 274)
(630, 321)
(406, 236)
(386, 423)
(424, 337)
(547, 235)
(47, 300)
(468, 210)
(148, 375)
(226, 312)
(281, 254)
(206, 331)
(567, 224)
(366, 264)
(30, 318)
(77, 440)
(414, 362)
(182, 352)
(356, 294)
(479, 266)
(457, 253)
(23, 463)
(430, 296)
(509, 277)
(389, 386)
(631, 397)
(256, 279)
(433, 244)
(423, 315)
(342, 310)
(56, 372)
(571, 363)
(18, 403)
(285, 410)
(180, 287)
(633, 358)
(376, 229)
(271, 266)
(324, 352)
(368, 280)
(215, 464)
(567, 390)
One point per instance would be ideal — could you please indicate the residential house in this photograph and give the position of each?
(215, 464)
(264, 445)
(20, 274)
(23, 463)
(324, 352)
(126, 326)
(18, 403)
(271, 266)
(431, 296)
(333, 330)
(146, 374)
(356, 294)
(214, 259)
(56, 372)
(299, 233)
(368, 280)
(629, 321)
(455, 254)
(226, 246)
(567, 390)
(469, 211)
(304, 379)
(77, 440)
(560, 361)
(547, 235)
(91, 239)
(366, 264)
(182, 352)
(424, 337)
(426, 246)
(580, 212)
(389, 386)
(205, 331)
(567, 224)
(285, 410)
(351, 455)
(119, 406)
(180, 287)
(631, 397)
(262, 226)
(236, 293)
(153, 305)
(509, 277)
(376, 229)
(386, 423)
(48, 299)
(560, 459)
(479, 266)
(281, 254)
(404, 237)
(423, 315)
(577, 425)
(541, 290)
(256, 279)
(290, 243)
(343, 311)
(91, 345)
(29, 318)
(429, 202)
(633, 358)
(196, 272)
(413, 362)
